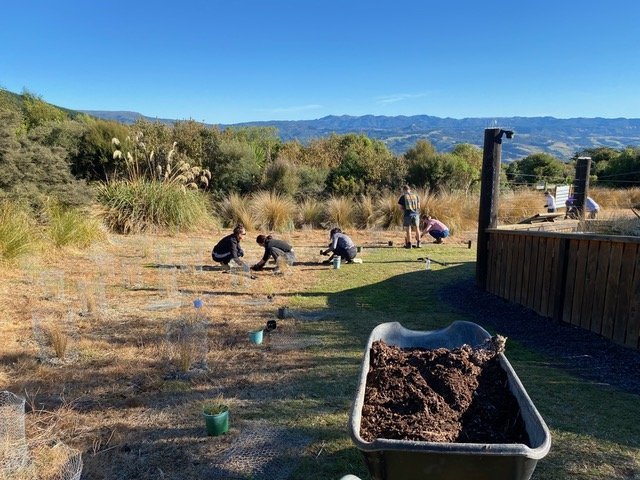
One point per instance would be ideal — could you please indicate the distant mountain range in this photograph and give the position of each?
(558, 137)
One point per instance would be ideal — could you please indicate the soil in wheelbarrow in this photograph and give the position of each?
(440, 395)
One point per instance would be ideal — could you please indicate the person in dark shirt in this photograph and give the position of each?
(229, 248)
(340, 245)
(276, 249)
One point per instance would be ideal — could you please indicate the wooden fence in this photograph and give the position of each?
(592, 281)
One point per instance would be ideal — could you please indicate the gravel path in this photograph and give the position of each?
(578, 351)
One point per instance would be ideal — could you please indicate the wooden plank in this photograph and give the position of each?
(546, 276)
(491, 238)
(632, 338)
(525, 270)
(612, 285)
(517, 294)
(602, 273)
(569, 284)
(590, 282)
(576, 236)
(533, 272)
(578, 281)
(497, 262)
(506, 270)
(561, 277)
(624, 292)
(542, 253)
(515, 267)
(553, 276)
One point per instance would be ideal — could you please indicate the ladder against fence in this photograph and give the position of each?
(591, 281)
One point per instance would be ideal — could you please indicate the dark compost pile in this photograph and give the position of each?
(440, 395)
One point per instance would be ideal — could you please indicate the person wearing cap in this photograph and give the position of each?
(275, 249)
(340, 245)
(228, 248)
(551, 202)
(435, 228)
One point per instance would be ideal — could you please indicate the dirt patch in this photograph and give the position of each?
(439, 395)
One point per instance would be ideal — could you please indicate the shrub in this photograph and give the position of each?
(310, 213)
(235, 210)
(71, 226)
(340, 211)
(272, 211)
(18, 233)
(143, 205)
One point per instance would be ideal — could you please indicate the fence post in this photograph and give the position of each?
(581, 183)
(489, 195)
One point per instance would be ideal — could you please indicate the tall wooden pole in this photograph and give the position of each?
(489, 195)
(581, 183)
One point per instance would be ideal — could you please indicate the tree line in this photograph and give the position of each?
(49, 151)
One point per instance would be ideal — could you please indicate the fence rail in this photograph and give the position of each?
(591, 281)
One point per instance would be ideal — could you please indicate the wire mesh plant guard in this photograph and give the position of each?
(65, 463)
(187, 342)
(261, 451)
(14, 454)
(93, 298)
(55, 334)
(51, 284)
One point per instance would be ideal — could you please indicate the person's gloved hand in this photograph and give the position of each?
(240, 252)
(256, 267)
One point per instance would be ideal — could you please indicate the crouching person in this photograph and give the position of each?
(340, 245)
(276, 249)
(229, 248)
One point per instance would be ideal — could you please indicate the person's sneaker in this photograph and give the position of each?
(407, 245)
(418, 245)
(439, 240)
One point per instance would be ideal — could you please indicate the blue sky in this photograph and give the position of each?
(232, 61)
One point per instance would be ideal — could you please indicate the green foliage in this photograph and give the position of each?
(31, 171)
(18, 231)
(143, 205)
(622, 170)
(236, 170)
(94, 159)
(282, 177)
(537, 168)
(71, 226)
(215, 406)
(38, 112)
(389, 211)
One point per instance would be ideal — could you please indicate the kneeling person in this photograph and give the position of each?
(340, 246)
(229, 248)
(276, 249)
(435, 228)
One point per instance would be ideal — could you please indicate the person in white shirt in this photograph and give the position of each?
(592, 207)
(551, 202)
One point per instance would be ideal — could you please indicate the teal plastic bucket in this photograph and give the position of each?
(256, 337)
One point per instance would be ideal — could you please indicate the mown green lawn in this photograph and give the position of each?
(595, 428)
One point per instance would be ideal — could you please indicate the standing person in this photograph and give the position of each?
(276, 249)
(551, 202)
(435, 228)
(592, 207)
(410, 203)
(229, 248)
(340, 245)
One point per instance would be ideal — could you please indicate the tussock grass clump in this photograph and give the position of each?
(143, 205)
(58, 340)
(18, 231)
(272, 212)
(615, 198)
(340, 211)
(235, 210)
(71, 227)
(520, 204)
(311, 213)
(458, 210)
(365, 212)
(389, 212)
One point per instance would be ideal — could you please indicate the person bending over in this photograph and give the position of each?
(435, 228)
(340, 245)
(275, 249)
(228, 248)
